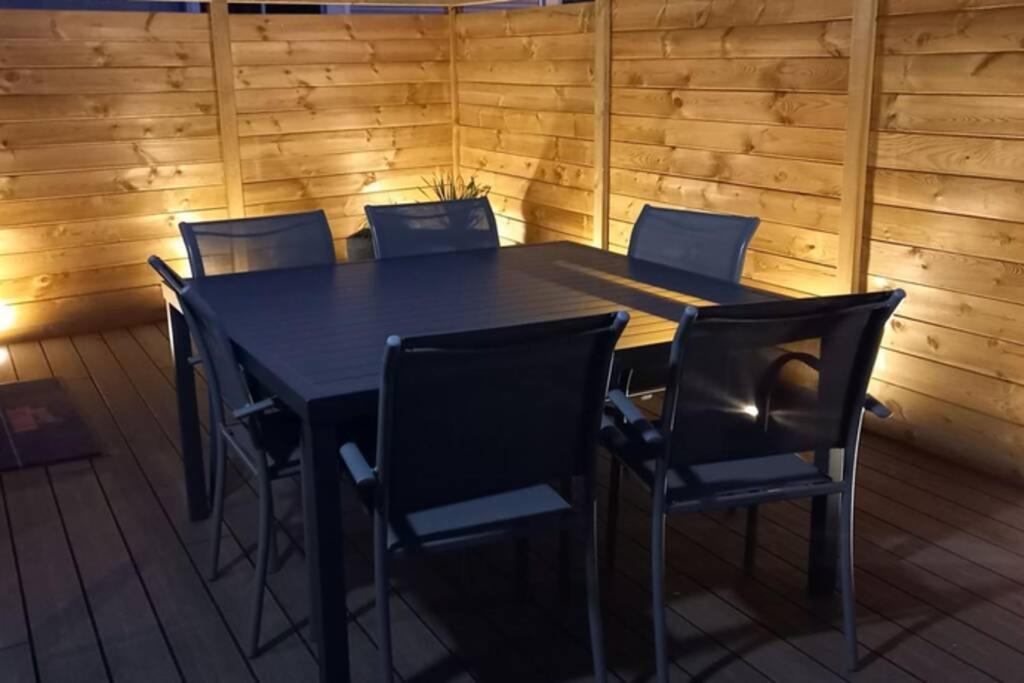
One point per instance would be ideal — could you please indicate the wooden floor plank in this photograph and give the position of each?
(64, 635)
(199, 638)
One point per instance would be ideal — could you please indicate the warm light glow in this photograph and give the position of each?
(6, 316)
(4, 356)
(751, 410)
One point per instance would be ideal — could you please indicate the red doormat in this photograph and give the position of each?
(40, 426)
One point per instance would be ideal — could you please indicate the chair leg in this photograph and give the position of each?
(262, 558)
(382, 576)
(658, 596)
(564, 543)
(750, 540)
(275, 557)
(217, 460)
(846, 579)
(612, 523)
(594, 598)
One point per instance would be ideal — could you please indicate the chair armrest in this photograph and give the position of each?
(632, 415)
(876, 407)
(362, 473)
(254, 408)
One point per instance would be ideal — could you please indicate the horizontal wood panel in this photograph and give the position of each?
(554, 172)
(574, 46)
(957, 310)
(94, 25)
(818, 144)
(983, 355)
(339, 142)
(630, 15)
(552, 218)
(72, 315)
(326, 75)
(948, 232)
(96, 155)
(109, 80)
(988, 73)
(15, 136)
(250, 53)
(101, 182)
(992, 397)
(558, 124)
(112, 106)
(342, 119)
(982, 197)
(630, 188)
(984, 116)
(982, 277)
(334, 207)
(810, 74)
(820, 110)
(335, 185)
(780, 174)
(13, 213)
(984, 157)
(53, 263)
(111, 53)
(811, 39)
(556, 20)
(528, 73)
(994, 30)
(533, 97)
(548, 147)
(311, 166)
(284, 27)
(313, 99)
(973, 438)
(556, 196)
(97, 232)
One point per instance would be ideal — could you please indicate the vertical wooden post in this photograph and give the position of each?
(453, 85)
(602, 118)
(852, 231)
(227, 111)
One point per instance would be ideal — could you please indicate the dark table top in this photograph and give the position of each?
(315, 336)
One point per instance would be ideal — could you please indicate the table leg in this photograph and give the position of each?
(324, 549)
(188, 416)
(824, 547)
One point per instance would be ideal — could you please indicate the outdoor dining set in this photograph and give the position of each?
(465, 392)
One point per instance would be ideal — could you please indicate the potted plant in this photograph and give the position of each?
(444, 187)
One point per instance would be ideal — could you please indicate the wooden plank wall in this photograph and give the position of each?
(108, 137)
(525, 117)
(735, 108)
(946, 214)
(336, 112)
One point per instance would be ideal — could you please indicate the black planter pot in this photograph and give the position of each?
(359, 248)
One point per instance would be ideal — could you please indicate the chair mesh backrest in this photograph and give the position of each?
(705, 243)
(471, 414)
(264, 243)
(432, 227)
(224, 374)
(771, 378)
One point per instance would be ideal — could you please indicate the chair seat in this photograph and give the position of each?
(470, 521)
(702, 484)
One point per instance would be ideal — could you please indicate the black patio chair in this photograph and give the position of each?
(473, 429)
(749, 388)
(239, 245)
(709, 244)
(263, 436)
(432, 227)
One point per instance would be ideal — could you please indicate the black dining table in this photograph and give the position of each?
(314, 337)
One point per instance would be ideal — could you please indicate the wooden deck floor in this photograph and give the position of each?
(103, 577)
